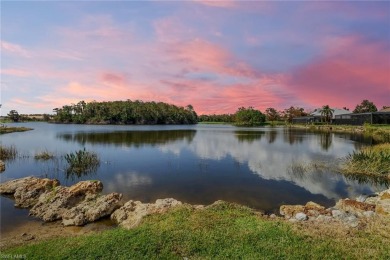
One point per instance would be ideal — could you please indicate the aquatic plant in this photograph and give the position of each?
(374, 160)
(44, 155)
(82, 162)
(8, 153)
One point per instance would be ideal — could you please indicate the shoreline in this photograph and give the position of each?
(348, 214)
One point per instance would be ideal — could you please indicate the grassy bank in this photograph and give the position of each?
(6, 129)
(223, 231)
(371, 161)
(380, 133)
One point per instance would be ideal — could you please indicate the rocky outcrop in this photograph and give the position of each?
(28, 190)
(54, 204)
(75, 205)
(351, 212)
(92, 209)
(131, 214)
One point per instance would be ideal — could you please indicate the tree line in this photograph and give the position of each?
(139, 112)
(125, 112)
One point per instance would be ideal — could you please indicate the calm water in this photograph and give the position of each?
(196, 164)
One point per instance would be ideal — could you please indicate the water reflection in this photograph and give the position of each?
(271, 136)
(199, 164)
(292, 136)
(248, 136)
(325, 140)
(130, 138)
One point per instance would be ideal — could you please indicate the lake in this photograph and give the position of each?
(261, 167)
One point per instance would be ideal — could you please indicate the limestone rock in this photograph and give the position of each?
(131, 214)
(27, 190)
(289, 211)
(91, 209)
(52, 205)
(353, 206)
(383, 203)
(301, 216)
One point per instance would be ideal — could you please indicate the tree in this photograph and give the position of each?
(249, 117)
(14, 115)
(292, 112)
(327, 113)
(365, 106)
(272, 114)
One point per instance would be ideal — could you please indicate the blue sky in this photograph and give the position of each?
(215, 55)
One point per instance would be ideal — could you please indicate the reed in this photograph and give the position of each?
(82, 161)
(44, 155)
(374, 161)
(8, 152)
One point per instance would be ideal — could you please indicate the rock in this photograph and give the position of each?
(384, 195)
(383, 203)
(2, 166)
(289, 211)
(301, 216)
(369, 214)
(324, 218)
(27, 190)
(27, 237)
(272, 216)
(131, 214)
(52, 205)
(91, 209)
(361, 198)
(352, 221)
(314, 206)
(337, 213)
(353, 206)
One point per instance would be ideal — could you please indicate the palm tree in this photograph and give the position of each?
(327, 113)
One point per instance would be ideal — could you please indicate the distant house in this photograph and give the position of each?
(381, 117)
(316, 116)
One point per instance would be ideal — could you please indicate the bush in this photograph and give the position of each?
(249, 117)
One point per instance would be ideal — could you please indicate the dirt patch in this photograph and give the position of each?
(34, 231)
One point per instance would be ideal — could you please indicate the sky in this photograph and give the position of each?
(215, 55)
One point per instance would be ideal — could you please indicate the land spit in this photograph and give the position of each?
(83, 203)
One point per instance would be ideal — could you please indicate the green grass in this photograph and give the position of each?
(44, 156)
(8, 152)
(372, 161)
(81, 162)
(225, 231)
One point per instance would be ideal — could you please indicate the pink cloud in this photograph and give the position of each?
(15, 72)
(217, 3)
(351, 70)
(15, 49)
(203, 56)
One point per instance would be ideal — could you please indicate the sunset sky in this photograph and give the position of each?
(217, 56)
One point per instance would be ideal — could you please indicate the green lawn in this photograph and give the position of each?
(224, 231)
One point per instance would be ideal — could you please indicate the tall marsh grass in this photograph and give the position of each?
(373, 161)
(8, 153)
(82, 161)
(44, 156)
